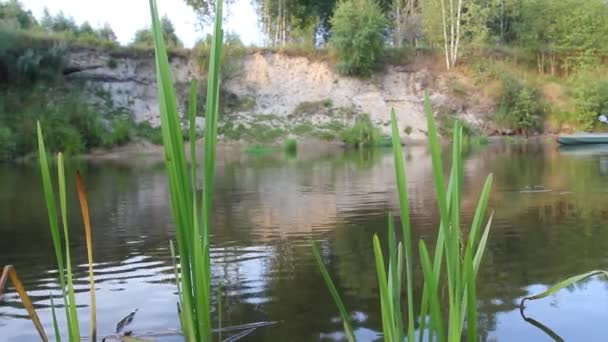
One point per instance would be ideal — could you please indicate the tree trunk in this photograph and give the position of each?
(445, 35)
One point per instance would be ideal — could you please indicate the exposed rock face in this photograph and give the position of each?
(129, 80)
(276, 82)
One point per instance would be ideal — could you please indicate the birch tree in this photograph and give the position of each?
(451, 12)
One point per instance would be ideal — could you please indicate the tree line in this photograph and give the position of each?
(558, 34)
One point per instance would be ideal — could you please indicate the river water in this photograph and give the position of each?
(551, 215)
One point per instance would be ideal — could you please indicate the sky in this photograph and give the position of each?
(127, 16)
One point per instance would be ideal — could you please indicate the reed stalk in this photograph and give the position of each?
(192, 227)
(462, 257)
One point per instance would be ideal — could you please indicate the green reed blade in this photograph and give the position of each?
(480, 211)
(219, 311)
(51, 206)
(395, 274)
(192, 109)
(563, 284)
(179, 182)
(55, 323)
(471, 296)
(481, 247)
(348, 329)
(437, 162)
(405, 222)
(84, 208)
(211, 117)
(74, 327)
(175, 273)
(436, 321)
(386, 304)
(437, 259)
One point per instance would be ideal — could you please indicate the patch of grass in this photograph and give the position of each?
(306, 108)
(362, 134)
(239, 104)
(291, 146)
(152, 134)
(112, 63)
(302, 129)
(457, 88)
(260, 149)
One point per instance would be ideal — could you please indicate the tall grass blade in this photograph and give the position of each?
(404, 212)
(430, 283)
(55, 323)
(386, 305)
(192, 109)
(74, 327)
(219, 311)
(395, 274)
(348, 330)
(192, 234)
(471, 296)
(49, 197)
(84, 208)
(10, 271)
(562, 285)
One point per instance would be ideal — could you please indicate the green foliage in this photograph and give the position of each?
(145, 38)
(149, 133)
(71, 125)
(362, 134)
(447, 122)
(589, 92)
(232, 55)
(358, 37)
(461, 256)
(568, 32)
(308, 108)
(193, 235)
(25, 59)
(7, 144)
(520, 107)
(14, 17)
(291, 146)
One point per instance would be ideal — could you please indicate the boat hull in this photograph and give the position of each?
(583, 139)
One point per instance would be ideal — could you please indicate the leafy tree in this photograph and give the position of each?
(358, 38)
(106, 33)
(58, 23)
(144, 37)
(14, 16)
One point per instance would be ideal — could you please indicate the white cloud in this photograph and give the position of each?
(127, 16)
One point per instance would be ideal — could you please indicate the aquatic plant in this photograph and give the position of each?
(291, 146)
(192, 228)
(461, 257)
(65, 273)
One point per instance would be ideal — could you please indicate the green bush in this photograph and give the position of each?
(233, 53)
(120, 133)
(520, 107)
(7, 144)
(291, 146)
(358, 38)
(362, 134)
(589, 93)
(149, 133)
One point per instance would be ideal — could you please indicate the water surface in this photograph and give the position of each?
(550, 222)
